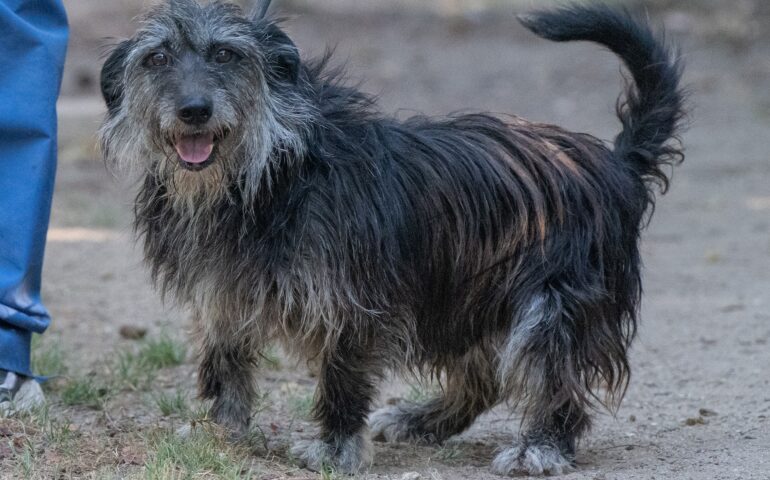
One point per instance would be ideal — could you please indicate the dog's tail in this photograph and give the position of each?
(652, 110)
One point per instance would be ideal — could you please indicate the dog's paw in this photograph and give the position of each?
(531, 459)
(396, 423)
(350, 455)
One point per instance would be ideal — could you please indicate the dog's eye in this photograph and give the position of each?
(224, 56)
(157, 59)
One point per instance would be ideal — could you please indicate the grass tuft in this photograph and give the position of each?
(329, 473)
(301, 404)
(136, 370)
(204, 453)
(172, 404)
(84, 391)
(130, 372)
(163, 352)
(26, 461)
(449, 452)
(48, 359)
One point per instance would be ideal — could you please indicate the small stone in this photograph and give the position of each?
(632, 418)
(132, 332)
(6, 451)
(705, 412)
(691, 422)
(733, 307)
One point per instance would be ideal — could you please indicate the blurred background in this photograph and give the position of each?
(699, 401)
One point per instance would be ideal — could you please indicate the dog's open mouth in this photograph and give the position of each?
(196, 151)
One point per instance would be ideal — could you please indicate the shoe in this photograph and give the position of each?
(19, 393)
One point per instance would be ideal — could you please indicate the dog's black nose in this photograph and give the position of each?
(195, 111)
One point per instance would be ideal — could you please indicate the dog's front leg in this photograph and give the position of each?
(347, 385)
(226, 375)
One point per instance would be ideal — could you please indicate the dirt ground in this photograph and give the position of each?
(699, 402)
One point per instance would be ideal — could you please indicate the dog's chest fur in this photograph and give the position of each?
(269, 270)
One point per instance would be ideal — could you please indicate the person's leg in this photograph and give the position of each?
(33, 40)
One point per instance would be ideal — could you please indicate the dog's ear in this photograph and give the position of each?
(260, 9)
(112, 76)
(282, 54)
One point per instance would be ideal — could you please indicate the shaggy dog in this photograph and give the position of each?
(498, 255)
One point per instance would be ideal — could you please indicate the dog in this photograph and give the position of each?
(496, 254)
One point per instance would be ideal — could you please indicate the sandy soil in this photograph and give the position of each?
(699, 402)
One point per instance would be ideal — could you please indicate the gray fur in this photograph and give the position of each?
(531, 460)
(353, 455)
(497, 255)
(392, 424)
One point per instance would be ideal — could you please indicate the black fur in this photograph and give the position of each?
(498, 254)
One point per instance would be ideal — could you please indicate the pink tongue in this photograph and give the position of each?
(195, 148)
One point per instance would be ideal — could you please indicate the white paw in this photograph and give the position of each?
(353, 454)
(393, 424)
(531, 460)
(389, 424)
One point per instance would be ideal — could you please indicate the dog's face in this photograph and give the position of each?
(201, 94)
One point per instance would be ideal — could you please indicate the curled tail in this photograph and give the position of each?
(652, 109)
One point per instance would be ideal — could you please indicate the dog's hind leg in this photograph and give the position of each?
(347, 384)
(547, 364)
(470, 388)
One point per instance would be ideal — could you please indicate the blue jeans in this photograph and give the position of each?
(33, 42)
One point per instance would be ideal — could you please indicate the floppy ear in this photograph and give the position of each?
(282, 54)
(112, 76)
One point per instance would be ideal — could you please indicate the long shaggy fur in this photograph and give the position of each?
(496, 254)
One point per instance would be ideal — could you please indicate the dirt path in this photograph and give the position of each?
(699, 402)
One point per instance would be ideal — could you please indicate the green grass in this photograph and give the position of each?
(271, 358)
(137, 370)
(198, 413)
(175, 404)
(204, 454)
(59, 434)
(131, 372)
(328, 473)
(48, 359)
(129, 369)
(84, 391)
(163, 352)
(26, 461)
(56, 430)
(301, 404)
(449, 452)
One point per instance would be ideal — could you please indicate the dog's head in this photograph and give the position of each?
(202, 94)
